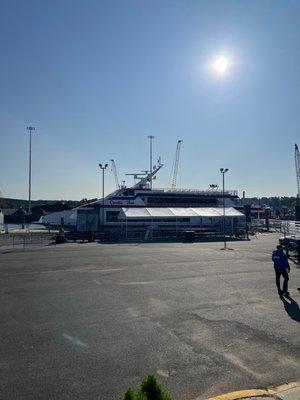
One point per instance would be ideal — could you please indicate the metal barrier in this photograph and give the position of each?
(148, 234)
(26, 240)
(290, 228)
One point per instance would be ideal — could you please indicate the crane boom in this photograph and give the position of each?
(174, 171)
(297, 165)
(114, 170)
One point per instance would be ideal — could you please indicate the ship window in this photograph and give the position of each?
(112, 216)
(181, 200)
(128, 192)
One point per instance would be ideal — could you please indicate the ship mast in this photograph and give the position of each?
(145, 177)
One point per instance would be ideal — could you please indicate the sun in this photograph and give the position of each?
(221, 64)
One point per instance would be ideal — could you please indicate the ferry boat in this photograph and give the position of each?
(110, 211)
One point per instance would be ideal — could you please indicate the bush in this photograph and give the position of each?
(129, 395)
(149, 389)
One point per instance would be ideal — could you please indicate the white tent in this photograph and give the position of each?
(178, 212)
(69, 218)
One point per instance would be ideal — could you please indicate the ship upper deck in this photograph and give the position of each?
(168, 191)
(196, 192)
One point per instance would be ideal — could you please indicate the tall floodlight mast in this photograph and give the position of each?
(115, 172)
(103, 167)
(223, 172)
(151, 137)
(297, 165)
(30, 129)
(174, 172)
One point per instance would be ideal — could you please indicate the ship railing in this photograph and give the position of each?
(198, 191)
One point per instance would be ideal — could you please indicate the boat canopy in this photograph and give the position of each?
(165, 212)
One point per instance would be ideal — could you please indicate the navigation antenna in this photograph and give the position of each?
(174, 171)
(116, 176)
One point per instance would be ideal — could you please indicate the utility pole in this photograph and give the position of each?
(223, 172)
(30, 129)
(297, 165)
(151, 137)
(103, 167)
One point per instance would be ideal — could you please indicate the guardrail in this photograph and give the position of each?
(198, 191)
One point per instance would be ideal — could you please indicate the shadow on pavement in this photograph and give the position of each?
(291, 307)
(295, 262)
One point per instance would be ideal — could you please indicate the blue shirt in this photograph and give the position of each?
(280, 260)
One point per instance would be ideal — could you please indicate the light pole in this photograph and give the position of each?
(223, 172)
(151, 137)
(30, 129)
(103, 167)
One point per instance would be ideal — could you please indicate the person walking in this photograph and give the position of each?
(282, 268)
(247, 231)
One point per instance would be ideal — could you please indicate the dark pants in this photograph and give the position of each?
(285, 275)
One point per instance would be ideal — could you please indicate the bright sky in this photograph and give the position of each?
(96, 77)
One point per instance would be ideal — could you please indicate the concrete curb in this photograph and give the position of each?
(242, 394)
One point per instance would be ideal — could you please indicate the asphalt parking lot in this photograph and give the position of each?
(85, 321)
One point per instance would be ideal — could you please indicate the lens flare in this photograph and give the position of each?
(221, 64)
